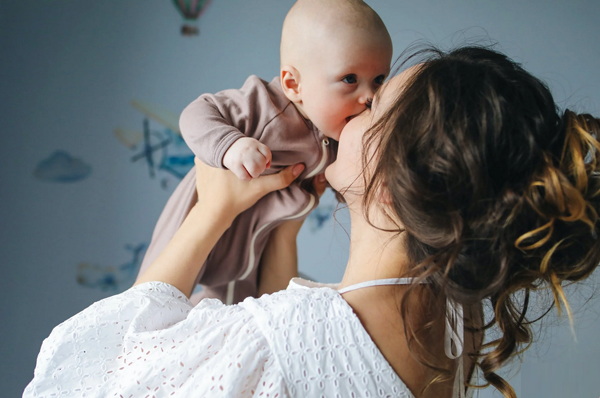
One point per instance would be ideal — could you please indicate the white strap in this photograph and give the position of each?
(453, 343)
(459, 380)
(454, 336)
(378, 282)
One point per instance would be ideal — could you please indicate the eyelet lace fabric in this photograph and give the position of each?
(321, 346)
(151, 342)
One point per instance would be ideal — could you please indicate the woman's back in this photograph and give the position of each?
(464, 176)
(377, 310)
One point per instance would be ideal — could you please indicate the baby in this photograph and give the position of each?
(334, 55)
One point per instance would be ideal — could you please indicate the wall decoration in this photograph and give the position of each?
(111, 278)
(60, 166)
(129, 138)
(190, 10)
(156, 112)
(164, 151)
(319, 216)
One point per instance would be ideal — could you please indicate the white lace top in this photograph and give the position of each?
(151, 342)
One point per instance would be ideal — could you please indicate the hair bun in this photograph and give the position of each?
(565, 194)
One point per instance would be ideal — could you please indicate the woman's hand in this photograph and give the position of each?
(223, 194)
(221, 197)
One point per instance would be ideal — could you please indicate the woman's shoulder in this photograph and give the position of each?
(299, 299)
(320, 344)
(120, 344)
(301, 283)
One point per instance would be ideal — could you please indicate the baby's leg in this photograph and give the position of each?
(177, 208)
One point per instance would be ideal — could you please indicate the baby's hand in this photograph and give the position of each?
(247, 158)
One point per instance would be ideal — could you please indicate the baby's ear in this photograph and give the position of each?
(290, 83)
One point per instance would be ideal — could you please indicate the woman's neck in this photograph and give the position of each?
(374, 254)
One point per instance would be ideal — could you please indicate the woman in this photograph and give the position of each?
(463, 180)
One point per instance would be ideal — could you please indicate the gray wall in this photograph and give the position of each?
(69, 70)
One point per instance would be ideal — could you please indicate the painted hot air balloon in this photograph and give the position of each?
(191, 11)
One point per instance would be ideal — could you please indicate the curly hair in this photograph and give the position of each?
(497, 191)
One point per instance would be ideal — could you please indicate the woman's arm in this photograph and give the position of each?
(279, 262)
(180, 262)
(221, 197)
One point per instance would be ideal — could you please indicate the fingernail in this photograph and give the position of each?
(297, 170)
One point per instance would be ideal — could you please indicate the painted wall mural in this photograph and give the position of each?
(112, 278)
(319, 216)
(60, 166)
(191, 10)
(163, 150)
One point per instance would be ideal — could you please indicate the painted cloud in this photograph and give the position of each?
(62, 167)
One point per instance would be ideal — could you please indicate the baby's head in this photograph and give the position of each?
(334, 55)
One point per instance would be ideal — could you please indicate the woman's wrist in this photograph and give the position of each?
(218, 218)
(183, 257)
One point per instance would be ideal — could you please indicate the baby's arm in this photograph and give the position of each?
(221, 129)
(279, 262)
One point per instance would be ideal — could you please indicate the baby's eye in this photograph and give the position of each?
(350, 79)
(369, 102)
(380, 79)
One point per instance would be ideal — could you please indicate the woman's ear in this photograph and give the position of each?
(290, 83)
(384, 195)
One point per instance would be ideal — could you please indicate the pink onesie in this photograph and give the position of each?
(210, 125)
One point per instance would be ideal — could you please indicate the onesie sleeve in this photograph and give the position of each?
(213, 122)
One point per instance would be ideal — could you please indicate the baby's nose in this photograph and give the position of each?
(366, 95)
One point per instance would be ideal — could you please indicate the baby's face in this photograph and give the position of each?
(340, 81)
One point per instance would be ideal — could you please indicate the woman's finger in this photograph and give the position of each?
(275, 182)
(320, 183)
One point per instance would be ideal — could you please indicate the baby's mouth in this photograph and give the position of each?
(350, 118)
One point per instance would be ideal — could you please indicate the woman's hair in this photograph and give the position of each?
(497, 190)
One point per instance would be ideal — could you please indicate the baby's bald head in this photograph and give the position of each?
(335, 54)
(311, 23)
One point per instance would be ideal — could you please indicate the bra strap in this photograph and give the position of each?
(455, 331)
(378, 282)
(459, 380)
(453, 343)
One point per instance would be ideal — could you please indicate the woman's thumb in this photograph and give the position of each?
(320, 183)
(275, 182)
(296, 170)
